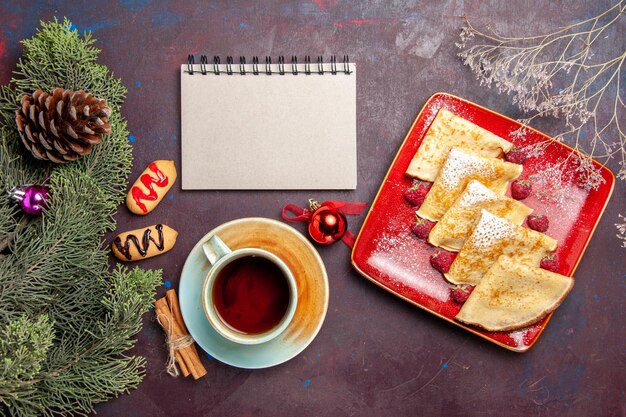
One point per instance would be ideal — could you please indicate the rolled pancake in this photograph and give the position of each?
(458, 170)
(447, 131)
(494, 236)
(456, 224)
(513, 295)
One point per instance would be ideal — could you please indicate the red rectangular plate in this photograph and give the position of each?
(387, 253)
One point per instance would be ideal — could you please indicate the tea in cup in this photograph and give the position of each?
(249, 295)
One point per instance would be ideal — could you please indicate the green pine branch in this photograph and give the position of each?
(66, 322)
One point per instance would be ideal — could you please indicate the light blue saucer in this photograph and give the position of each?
(305, 263)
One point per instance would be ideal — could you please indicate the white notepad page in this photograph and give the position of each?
(267, 132)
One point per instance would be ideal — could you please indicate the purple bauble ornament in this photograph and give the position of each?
(31, 198)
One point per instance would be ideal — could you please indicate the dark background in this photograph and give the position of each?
(375, 354)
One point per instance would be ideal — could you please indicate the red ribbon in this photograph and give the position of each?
(300, 214)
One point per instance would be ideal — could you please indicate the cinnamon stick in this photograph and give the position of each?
(177, 354)
(165, 324)
(172, 301)
(190, 357)
(181, 364)
(186, 353)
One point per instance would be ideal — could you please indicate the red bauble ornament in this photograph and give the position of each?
(327, 224)
(327, 221)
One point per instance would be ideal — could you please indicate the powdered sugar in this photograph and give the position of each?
(398, 256)
(491, 229)
(552, 183)
(390, 242)
(518, 337)
(460, 165)
(403, 273)
(476, 193)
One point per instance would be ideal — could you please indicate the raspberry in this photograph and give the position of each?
(460, 293)
(516, 155)
(442, 260)
(422, 227)
(520, 189)
(538, 222)
(416, 194)
(550, 262)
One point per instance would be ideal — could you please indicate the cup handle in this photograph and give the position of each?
(215, 249)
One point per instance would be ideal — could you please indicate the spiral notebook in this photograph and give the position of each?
(268, 125)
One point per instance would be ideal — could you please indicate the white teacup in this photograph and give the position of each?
(221, 256)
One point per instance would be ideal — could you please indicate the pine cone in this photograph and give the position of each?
(63, 125)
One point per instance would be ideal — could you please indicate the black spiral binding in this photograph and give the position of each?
(320, 65)
(229, 65)
(294, 65)
(281, 65)
(190, 64)
(346, 65)
(216, 65)
(242, 65)
(268, 65)
(204, 62)
(255, 65)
